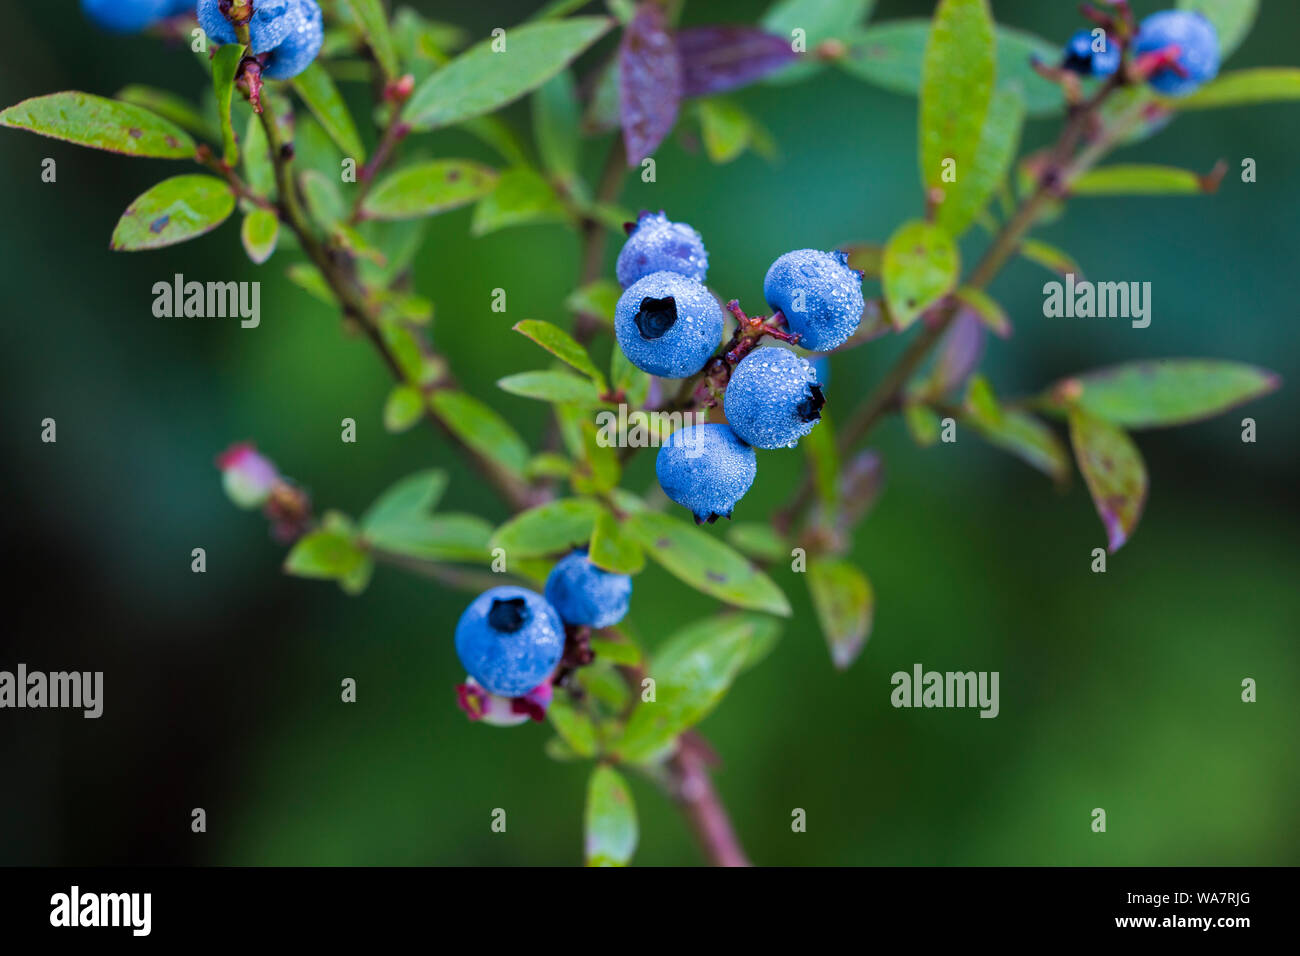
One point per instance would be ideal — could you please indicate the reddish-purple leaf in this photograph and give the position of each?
(960, 354)
(650, 82)
(720, 58)
(1114, 472)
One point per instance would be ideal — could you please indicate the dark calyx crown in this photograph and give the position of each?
(508, 614)
(656, 317)
(810, 409)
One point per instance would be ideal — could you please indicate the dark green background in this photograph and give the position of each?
(1119, 691)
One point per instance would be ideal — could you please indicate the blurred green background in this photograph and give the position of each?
(1119, 691)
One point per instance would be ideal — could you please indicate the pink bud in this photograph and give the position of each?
(496, 711)
(247, 476)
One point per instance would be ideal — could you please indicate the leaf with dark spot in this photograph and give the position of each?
(650, 82)
(173, 211)
(720, 58)
(1114, 472)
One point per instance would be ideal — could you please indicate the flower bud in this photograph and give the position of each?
(247, 476)
(497, 711)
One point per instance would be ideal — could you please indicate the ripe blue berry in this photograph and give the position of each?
(707, 469)
(266, 28)
(820, 296)
(585, 594)
(657, 244)
(668, 324)
(1081, 58)
(123, 16)
(773, 398)
(304, 34)
(509, 640)
(1198, 49)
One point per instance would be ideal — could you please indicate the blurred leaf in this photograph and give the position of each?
(613, 549)
(374, 24)
(574, 726)
(987, 168)
(551, 386)
(867, 257)
(824, 458)
(548, 528)
(403, 408)
(1232, 20)
(845, 605)
(1243, 88)
(988, 311)
(170, 107)
(324, 201)
(482, 429)
(1028, 439)
(100, 124)
(959, 354)
(596, 299)
(309, 279)
(1165, 391)
(522, 196)
(440, 537)
(602, 113)
(758, 540)
(981, 403)
(322, 97)
(820, 20)
(479, 80)
(598, 468)
(357, 580)
(920, 267)
(498, 134)
(650, 82)
(555, 124)
(175, 210)
(705, 563)
(616, 652)
(549, 465)
(610, 825)
(891, 54)
(410, 358)
(258, 171)
(427, 189)
(957, 75)
(1139, 180)
(225, 62)
(563, 346)
(1050, 257)
(324, 554)
(922, 423)
(259, 231)
(1114, 472)
(627, 379)
(414, 496)
(692, 671)
(716, 59)
(725, 128)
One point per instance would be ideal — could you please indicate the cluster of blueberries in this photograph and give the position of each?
(668, 324)
(286, 34)
(1194, 37)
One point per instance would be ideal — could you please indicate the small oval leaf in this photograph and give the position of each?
(427, 189)
(100, 124)
(920, 266)
(173, 211)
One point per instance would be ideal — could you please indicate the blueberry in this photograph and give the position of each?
(1198, 46)
(302, 41)
(585, 594)
(657, 244)
(668, 324)
(773, 398)
(509, 639)
(266, 28)
(123, 16)
(707, 469)
(820, 296)
(1081, 58)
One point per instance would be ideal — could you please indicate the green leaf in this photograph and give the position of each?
(598, 469)
(628, 380)
(824, 457)
(100, 124)
(1114, 472)
(1268, 84)
(548, 528)
(1135, 179)
(563, 346)
(309, 279)
(403, 408)
(259, 232)
(956, 86)
(574, 726)
(989, 312)
(705, 563)
(522, 196)
(374, 24)
(845, 605)
(225, 63)
(891, 54)
(981, 404)
(479, 80)
(555, 124)
(598, 299)
(357, 580)
(427, 189)
(921, 266)
(1050, 257)
(866, 257)
(441, 537)
(616, 652)
(258, 171)
(610, 825)
(322, 97)
(412, 497)
(324, 554)
(820, 20)
(987, 168)
(175, 210)
(613, 549)
(758, 540)
(1028, 439)
(692, 672)
(724, 127)
(1164, 392)
(922, 423)
(324, 201)
(169, 106)
(551, 386)
(482, 429)
(1232, 20)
